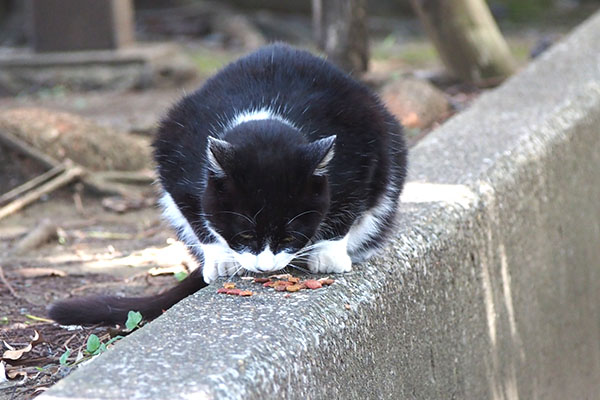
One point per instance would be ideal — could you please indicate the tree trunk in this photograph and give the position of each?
(467, 39)
(341, 31)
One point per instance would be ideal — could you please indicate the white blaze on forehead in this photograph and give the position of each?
(257, 114)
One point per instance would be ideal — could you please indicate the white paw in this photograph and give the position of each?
(330, 256)
(217, 262)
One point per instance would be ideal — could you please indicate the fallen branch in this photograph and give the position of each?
(32, 183)
(7, 284)
(41, 234)
(69, 175)
(142, 177)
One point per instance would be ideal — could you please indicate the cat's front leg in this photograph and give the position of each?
(218, 261)
(330, 256)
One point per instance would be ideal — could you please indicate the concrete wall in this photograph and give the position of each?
(491, 289)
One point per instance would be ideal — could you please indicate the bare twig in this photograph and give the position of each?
(7, 284)
(41, 234)
(142, 177)
(32, 183)
(57, 182)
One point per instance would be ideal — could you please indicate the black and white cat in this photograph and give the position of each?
(279, 158)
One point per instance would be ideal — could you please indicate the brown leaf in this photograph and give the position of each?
(156, 271)
(40, 272)
(13, 373)
(16, 354)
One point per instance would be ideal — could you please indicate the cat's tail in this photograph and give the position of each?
(109, 310)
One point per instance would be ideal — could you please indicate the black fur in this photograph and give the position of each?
(113, 310)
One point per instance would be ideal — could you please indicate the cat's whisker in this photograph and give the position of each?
(301, 234)
(301, 214)
(299, 268)
(258, 212)
(239, 215)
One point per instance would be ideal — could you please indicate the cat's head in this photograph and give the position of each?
(266, 193)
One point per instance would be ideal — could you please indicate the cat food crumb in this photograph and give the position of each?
(281, 276)
(313, 284)
(293, 288)
(289, 283)
(229, 288)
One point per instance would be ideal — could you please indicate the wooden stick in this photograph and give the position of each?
(69, 175)
(142, 177)
(27, 149)
(7, 284)
(41, 234)
(32, 183)
(97, 184)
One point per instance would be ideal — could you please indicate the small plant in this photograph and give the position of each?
(65, 356)
(95, 346)
(134, 318)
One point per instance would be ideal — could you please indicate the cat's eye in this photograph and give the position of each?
(247, 236)
(287, 239)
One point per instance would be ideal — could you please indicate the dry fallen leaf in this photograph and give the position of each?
(13, 373)
(40, 272)
(16, 354)
(156, 271)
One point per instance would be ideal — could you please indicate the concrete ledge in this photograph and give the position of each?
(490, 290)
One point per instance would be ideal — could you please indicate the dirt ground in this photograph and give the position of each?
(97, 251)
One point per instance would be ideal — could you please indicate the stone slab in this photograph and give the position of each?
(491, 288)
(137, 67)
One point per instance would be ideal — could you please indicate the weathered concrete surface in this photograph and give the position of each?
(134, 67)
(491, 289)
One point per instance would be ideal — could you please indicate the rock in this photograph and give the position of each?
(62, 135)
(416, 103)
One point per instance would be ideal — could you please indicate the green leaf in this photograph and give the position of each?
(64, 357)
(93, 343)
(133, 320)
(181, 275)
(4, 320)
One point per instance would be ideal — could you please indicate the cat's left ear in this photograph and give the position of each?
(219, 155)
(321, 153)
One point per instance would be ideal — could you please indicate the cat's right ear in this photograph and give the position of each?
(321, 153)
(219, 154)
